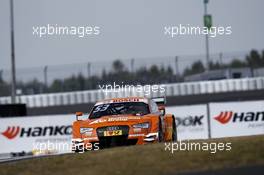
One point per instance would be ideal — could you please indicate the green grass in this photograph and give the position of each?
(148, 159)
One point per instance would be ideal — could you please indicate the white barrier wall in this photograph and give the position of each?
(236, 118)
(191, 121)
(174, 89)
(26, 133)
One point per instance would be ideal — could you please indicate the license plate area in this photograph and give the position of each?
(113, 133)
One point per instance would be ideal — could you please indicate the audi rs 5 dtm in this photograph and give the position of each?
(123, 121)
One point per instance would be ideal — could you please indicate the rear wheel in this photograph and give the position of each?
(160, 132)
(174, 130)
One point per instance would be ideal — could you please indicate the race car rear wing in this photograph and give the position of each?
(160, 101)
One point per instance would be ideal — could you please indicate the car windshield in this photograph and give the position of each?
(134, 108)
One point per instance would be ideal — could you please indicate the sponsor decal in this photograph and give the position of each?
(190, 124)
(11, 132)
(224, 117)
(136, 135)
(115, 119)
(122, 100)
(189, 121)
(235, 117)
(126, 100)
(16, 131)
(99, 121)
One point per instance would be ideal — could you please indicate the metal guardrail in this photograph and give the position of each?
(175, 89)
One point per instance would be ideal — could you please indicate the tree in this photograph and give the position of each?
(154, 70)
(169, 71)
(197, 67)
(120, 74)
(236, 63)
(118, 66)
(214, 66)
(4, 89)
(81, 82)
(56, 86)
(254, 59)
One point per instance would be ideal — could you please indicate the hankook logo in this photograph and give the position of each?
(189, 121)
(229, 116)
(13, 131)
(224, 117)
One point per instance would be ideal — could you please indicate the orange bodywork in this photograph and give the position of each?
(100, 130)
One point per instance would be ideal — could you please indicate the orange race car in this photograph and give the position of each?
(123, 121)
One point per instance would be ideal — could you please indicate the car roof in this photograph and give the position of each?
(123, 100)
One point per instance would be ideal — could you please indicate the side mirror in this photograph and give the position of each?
(80, 116)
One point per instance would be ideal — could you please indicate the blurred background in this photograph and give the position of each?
(153, 70)
(131, 47)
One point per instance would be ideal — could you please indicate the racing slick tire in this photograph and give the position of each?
(160, 133)
(174, 131)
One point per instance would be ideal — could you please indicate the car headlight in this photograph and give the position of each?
(84, 130)
(141, 125)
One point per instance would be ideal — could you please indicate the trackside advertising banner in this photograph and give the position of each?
(236, 118)
(191, 121)
(27, 133)
(54, 132)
